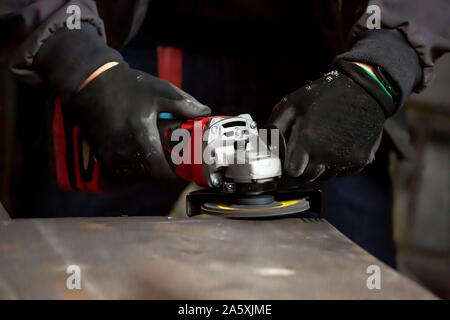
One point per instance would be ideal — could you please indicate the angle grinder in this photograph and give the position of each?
(239, 166)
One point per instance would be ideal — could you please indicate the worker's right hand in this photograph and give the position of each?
(118, 111)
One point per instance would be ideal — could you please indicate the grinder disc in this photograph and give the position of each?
(273, 209)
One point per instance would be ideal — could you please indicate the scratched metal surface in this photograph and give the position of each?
(157, 257)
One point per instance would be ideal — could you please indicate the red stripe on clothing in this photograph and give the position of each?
(170, 65)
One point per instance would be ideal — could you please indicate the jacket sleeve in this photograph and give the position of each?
(424, 24)
(29, 24)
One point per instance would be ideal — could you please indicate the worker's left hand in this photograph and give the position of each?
(334, 127)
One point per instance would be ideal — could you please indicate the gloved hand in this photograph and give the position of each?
(115, 109)
(334, 124)
(118, 111)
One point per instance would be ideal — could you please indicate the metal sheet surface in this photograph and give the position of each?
(158, 257)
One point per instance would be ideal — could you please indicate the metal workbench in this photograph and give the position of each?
(159, 257)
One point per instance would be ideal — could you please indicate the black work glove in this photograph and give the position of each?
(118, 112)
(334, 124)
